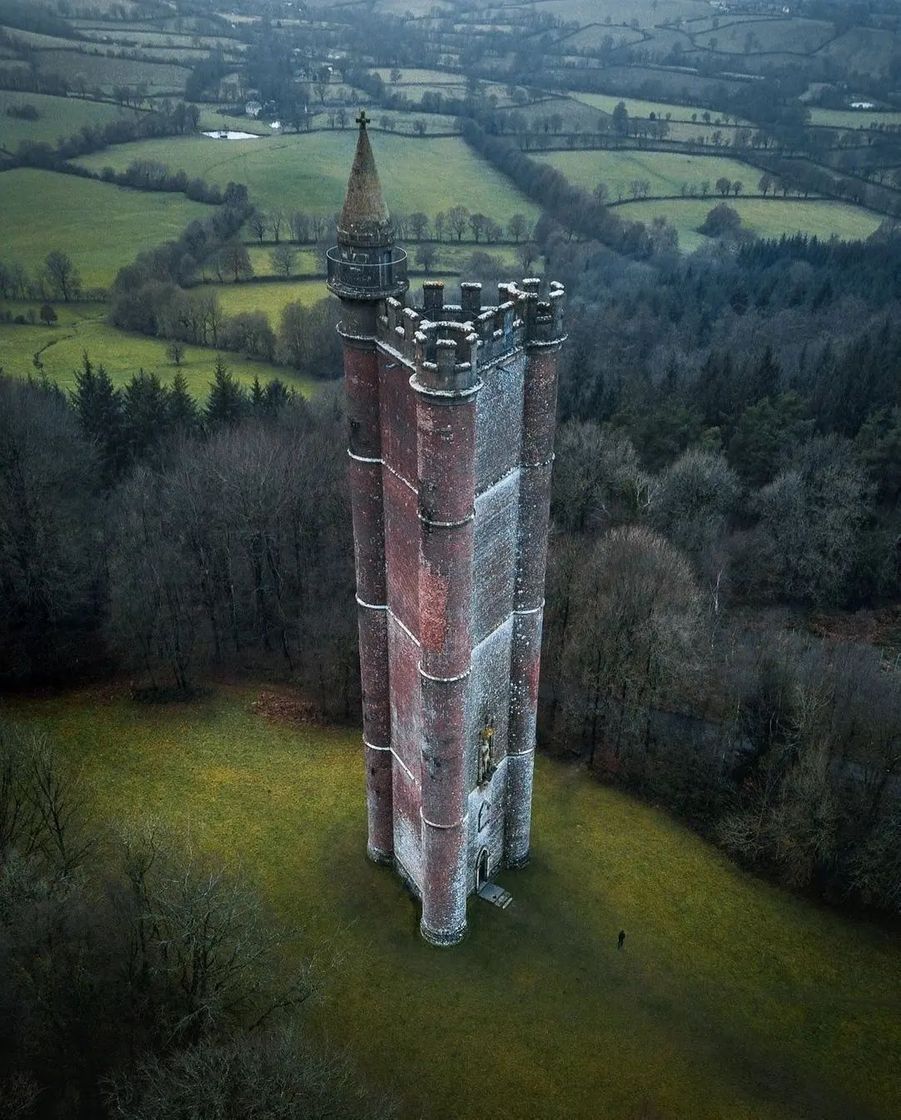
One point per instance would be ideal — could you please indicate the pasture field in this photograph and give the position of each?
(767, 36)
(309, 171)
(586, 12)
(766, 217)
(262, 265)
(33, 40)
(413, 76)
(97, 71)
(211, 119)
(637, 107)
(853, 118)
(666, 171)
(271, 297)
(59, 117)
(868, 50)
(731, 998)
(83, 328)
(592, 37)
(102, 227)
(126, 36)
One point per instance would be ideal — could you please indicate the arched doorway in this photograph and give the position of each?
(482, 869)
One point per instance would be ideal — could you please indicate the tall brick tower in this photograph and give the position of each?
(452, 412)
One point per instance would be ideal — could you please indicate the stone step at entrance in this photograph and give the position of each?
(496, 895)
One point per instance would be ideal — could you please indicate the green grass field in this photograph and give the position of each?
(413, 76)
(309, 172)
(100, 226)
(82, 327)
(270, 297)
(731, 1000)
(59, 117)
(96, 70)
(853, 118)
(666, 171)
(771, 217)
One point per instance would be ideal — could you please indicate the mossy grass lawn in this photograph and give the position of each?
(83, 328)
(309, 172)
(102, 227)
(766, 217)
(665, 171)
(731, 999)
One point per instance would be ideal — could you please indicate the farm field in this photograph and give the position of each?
(586, 12)
(766, 217)
(413, 76)
(637, 107)
(96, 70)
(262, 265)
(309, 172)
(666, 171)
(271, 297)
(854, 118)
(83, 328)
(794, 36)
(102, 227)
(781, 1010)
(59, 117)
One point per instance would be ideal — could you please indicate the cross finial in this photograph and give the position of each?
(363, 120)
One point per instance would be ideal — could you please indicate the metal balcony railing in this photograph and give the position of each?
(363, 278)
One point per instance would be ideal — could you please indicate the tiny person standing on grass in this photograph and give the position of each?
(621, 940)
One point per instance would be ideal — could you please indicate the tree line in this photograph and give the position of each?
(141, 528)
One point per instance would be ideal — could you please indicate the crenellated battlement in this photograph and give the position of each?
(446, 343)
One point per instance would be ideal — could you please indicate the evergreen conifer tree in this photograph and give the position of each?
(227, 403)
(98, 406)
(145, 408)
(183, 413)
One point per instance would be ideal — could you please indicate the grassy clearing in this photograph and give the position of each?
(100, 226)
(731, 999)
(59, 117)
(767, 217)
(666, 171)
(83, 328)
(309, 172)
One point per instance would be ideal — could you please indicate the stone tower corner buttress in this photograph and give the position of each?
(451, 410)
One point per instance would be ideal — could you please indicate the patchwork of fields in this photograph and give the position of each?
(309, 172)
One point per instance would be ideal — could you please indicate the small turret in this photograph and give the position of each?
(366, 264)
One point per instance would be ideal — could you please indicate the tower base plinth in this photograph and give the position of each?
(443, 939)
(378, 856)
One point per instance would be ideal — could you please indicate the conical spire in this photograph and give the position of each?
(364, 219)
